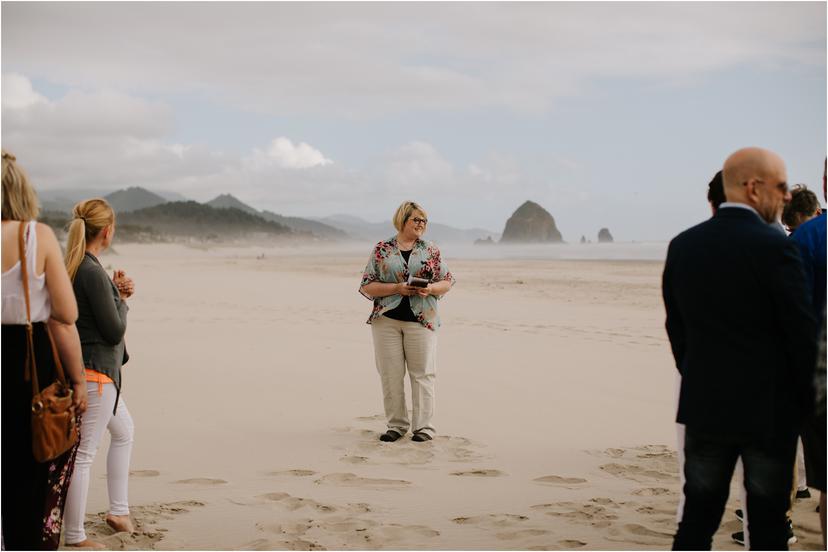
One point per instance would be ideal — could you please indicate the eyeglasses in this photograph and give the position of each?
(782, 186)
(418, 220)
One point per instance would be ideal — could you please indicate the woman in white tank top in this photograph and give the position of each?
(14, 302)
(33, 506)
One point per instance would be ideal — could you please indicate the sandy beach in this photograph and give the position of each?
(257, 409)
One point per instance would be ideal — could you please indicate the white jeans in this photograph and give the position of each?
(397, 346)
(96, 419)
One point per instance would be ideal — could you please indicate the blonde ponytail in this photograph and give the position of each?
(75, 246)
(89, 218)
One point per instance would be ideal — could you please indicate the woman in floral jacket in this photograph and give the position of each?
(404, 321)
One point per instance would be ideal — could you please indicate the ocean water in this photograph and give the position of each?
(630, 251)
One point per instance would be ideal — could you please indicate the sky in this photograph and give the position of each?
(607, 114)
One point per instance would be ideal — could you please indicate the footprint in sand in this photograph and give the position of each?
(144, 473)
(377, 452)
(492, 520)
(284, 544)
(604, 501)
(479, 473)
(571, 543)
(637, 472)
(201, 481)
(589, 513)
(558, 481)
(395, 532)
(636, 529)
(145, 517)
(354, 459)
(652, 511)
(353, 480)
(653, 491)
(294, 473)
(374, 418)
(521, 534)
(295, 503)
(293, 528)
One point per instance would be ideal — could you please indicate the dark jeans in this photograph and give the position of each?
(708, 469)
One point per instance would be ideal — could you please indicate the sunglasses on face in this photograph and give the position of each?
(418, 221)
(782, 186)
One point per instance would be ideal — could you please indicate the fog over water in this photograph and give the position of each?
(620, 251)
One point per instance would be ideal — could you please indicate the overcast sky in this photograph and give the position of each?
(607, 114)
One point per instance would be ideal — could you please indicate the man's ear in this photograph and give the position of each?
(751, 190)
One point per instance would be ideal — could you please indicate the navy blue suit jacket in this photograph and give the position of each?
(741, 328)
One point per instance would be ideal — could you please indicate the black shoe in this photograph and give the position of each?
(790, 533)
(739, 537)
(420, 437)
(740, 516)
(803, 493)
(390, 436)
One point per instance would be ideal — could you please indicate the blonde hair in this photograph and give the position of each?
(19, 198)
(88, 219)
(404, 212)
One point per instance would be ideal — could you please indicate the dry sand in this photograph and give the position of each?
(257, 409)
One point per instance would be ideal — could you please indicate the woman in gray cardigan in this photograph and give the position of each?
(102, 319)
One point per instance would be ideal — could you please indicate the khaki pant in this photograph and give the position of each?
(397, 345)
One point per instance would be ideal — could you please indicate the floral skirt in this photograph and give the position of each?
(33, 493)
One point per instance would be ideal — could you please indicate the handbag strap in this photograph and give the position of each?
(31, 366)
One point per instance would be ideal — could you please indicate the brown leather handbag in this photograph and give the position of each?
(54, 424)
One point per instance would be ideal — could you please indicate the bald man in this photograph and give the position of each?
(741, 331)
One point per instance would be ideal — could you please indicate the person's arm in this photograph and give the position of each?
(383, 289)
(372, 285)
(110, 318)
(674, 323)
(68, 346)
(437, 288)
(64, 307)
(798, 324)
(64, 313)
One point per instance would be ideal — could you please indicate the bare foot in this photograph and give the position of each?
(121, 524)
(88, 545)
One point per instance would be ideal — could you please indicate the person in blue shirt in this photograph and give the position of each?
(810, 237)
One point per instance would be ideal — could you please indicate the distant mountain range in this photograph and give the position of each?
(129, 199)
(133, 199)
(190, 218)
(374, 231)
(149, 216)
(226, 201)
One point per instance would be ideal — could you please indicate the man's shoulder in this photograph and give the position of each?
(813, 228)
(737, 226)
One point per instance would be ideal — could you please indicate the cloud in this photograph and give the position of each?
(110, 141)
(283, 153)
(289, 58)
(18, 92)
(99, 139)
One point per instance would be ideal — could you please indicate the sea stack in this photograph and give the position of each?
(531, 223)
(604, 236)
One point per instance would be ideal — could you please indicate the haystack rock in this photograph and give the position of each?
(531, 223)
(604, 236)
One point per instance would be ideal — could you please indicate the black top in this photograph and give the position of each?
(741, 328)
(402, 312)
(102, 320)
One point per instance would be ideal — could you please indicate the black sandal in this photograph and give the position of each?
(390, 436)
(421, 437)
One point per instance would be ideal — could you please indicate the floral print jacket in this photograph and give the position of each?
(388, 266)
